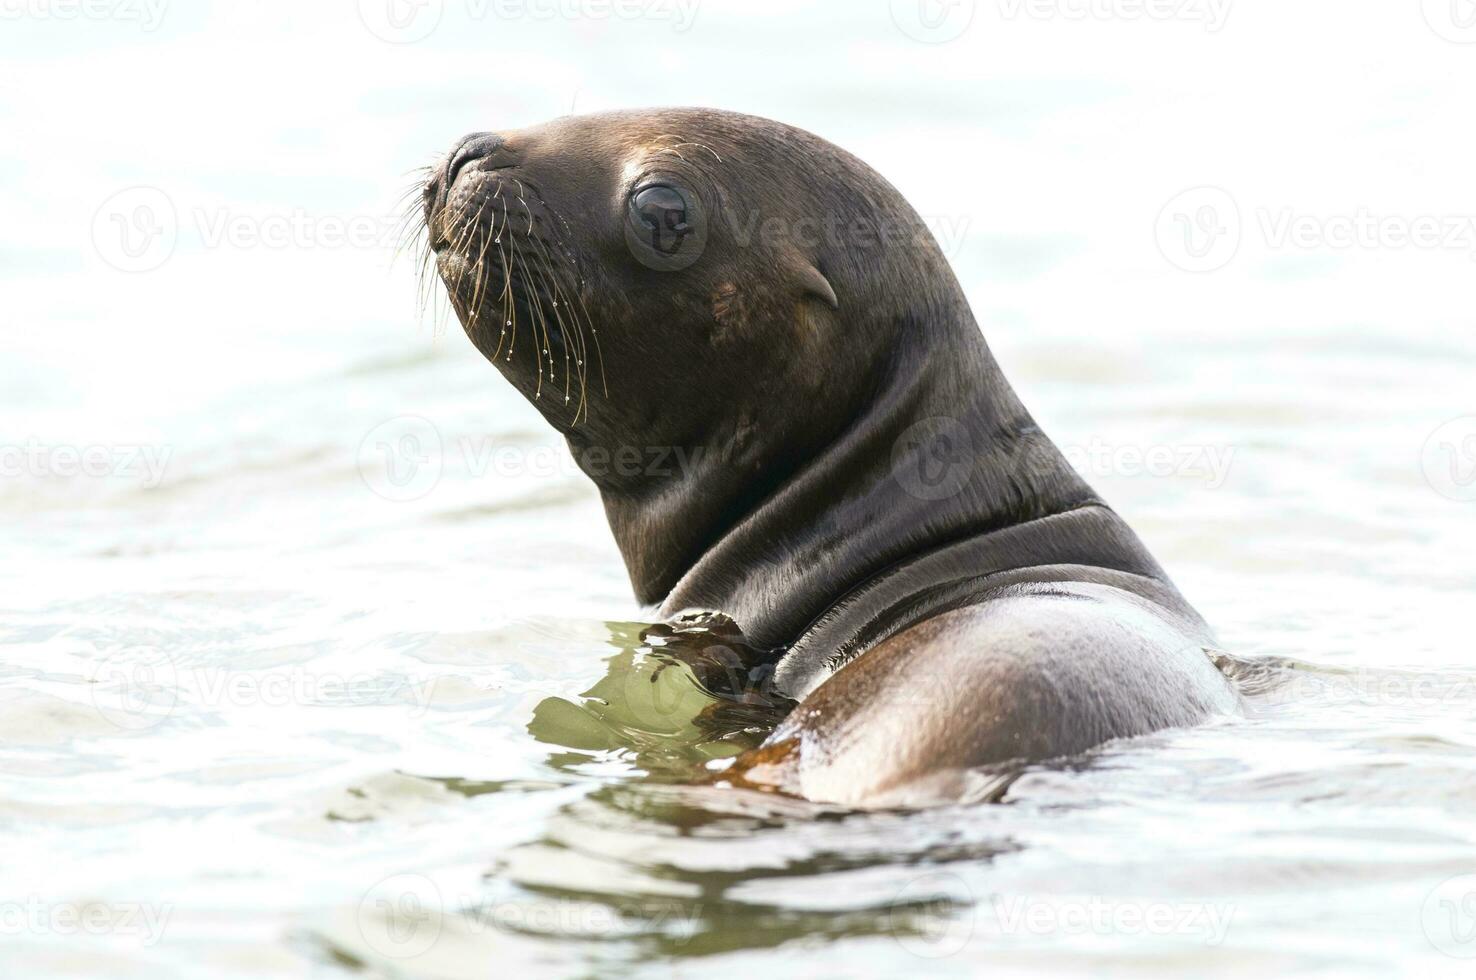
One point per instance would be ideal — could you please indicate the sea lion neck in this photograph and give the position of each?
(938, 451)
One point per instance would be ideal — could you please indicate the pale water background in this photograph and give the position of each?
(261, 714)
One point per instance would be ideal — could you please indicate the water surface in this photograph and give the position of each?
(285, 695)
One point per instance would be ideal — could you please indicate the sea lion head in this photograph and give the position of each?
(650, 278)
(723, 315)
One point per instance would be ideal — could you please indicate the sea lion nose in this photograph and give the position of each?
(477, 146)
(471, 149)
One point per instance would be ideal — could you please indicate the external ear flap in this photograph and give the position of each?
(807, 280)
(814, 283)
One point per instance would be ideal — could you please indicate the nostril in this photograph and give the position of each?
(475, 147)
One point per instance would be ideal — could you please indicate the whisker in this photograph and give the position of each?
(703, 146)
(540, 319)
(683, 141)
(559, 293)
(540, 273)
(476, 303)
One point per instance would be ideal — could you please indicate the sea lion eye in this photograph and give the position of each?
(661, 214)
(664, 226)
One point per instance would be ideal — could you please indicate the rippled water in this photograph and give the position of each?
(278, 703)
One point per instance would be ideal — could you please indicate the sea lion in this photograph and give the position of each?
(759, 354)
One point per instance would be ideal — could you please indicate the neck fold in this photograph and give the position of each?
(942, 454)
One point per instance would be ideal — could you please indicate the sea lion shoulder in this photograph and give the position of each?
(1032, 673)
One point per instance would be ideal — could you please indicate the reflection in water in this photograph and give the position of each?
(677, 696)
(694, 871)
(673, 861)
(652, 867)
